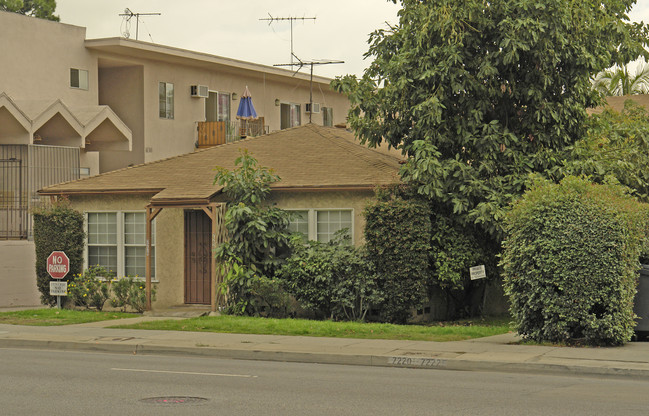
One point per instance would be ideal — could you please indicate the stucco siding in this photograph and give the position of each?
(169, 243)
(356, 201)
(44, 65)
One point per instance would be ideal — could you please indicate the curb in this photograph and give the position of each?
(452, 364)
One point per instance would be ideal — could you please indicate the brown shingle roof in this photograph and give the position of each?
(307, 157)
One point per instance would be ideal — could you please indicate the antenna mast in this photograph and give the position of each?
(128, 14)
(271, 19)
(311, 63)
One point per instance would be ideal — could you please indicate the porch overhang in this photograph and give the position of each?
(216, 212)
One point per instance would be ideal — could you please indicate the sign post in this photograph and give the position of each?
(58, 266)
(479, 272)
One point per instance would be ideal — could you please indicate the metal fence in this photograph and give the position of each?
(24, 169)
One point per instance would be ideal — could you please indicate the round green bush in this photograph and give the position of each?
(570, 262)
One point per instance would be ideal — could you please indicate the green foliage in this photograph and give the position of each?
(480, 94)
(258, 236)
(571, 260)
(248, 183)
(90, 289)
(616, 144)
(618, 80)
(57, 228)
(398, 236)
(331, 279)
(137, 296)
(94, 287)
(270, 300)
(130, 292)
(43, 9)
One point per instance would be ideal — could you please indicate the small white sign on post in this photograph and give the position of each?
(59, 288)
(478, 272)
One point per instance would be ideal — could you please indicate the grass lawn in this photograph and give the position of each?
(53, 317)
(442, 331)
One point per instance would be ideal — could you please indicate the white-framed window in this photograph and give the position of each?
(117, 241)
(289, 115)
(327, 116)
(79, 78)
(166, 96)
(321, 224)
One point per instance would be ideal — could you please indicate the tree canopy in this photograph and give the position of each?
(616, 145)
(43, 9)
(482, 93)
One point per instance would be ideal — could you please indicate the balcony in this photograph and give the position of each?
(214, 133)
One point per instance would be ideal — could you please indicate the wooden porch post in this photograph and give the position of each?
(151, 213)
(210, 210)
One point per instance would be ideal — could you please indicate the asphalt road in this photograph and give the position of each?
(37, 382)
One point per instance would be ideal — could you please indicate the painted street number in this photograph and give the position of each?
(59, 288)
(417, 362)
(478, 272)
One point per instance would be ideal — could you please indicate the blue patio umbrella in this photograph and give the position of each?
(246, 110)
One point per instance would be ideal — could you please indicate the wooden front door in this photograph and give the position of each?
(198, 257)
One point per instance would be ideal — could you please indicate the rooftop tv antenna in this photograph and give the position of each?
(272, 19)
(311, 63)
(128, 15)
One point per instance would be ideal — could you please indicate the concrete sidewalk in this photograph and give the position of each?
(497, 353)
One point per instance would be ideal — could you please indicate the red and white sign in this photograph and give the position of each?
(58, 265)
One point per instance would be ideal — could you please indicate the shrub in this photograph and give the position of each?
(57, 227)
(120, 288)
(331, 279)
(91, 289)
(130, 292)
(398, 236)
(455, 248)
(137, 295)
(257, 233)
(570, 262)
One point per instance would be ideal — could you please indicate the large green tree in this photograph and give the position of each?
(43, 9)
(482, 93)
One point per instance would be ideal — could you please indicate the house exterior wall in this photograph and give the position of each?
(122, 89)
(158, 138)
(356, 200)
(37, 55)
(169, 243)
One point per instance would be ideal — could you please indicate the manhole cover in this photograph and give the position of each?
(174, 400)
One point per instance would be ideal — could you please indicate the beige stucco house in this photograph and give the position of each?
(326, 177)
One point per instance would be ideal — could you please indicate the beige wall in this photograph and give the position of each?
(329, 200)
(169, 244)
(36, 59)
(122, 89)
(165, 137)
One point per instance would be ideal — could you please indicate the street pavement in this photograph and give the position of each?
(500, 353)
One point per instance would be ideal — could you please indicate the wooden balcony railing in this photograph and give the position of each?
(214, 133)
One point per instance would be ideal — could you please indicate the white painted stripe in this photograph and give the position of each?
(183, 372)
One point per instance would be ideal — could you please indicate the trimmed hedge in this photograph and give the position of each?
(57, 228)
(570, 262)
(398, 236)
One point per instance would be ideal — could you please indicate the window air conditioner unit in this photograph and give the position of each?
(201, 91)
(316, 108)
